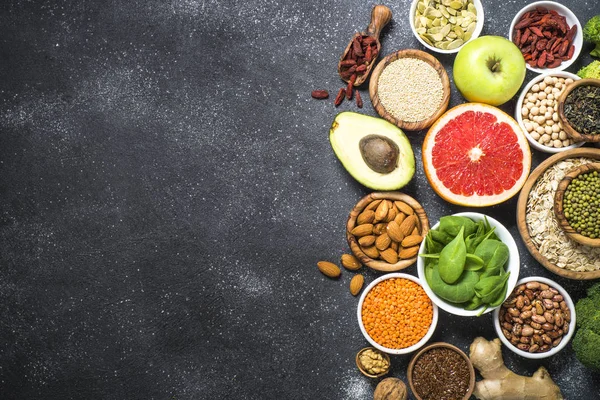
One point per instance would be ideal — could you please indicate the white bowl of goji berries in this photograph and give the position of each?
(541, 37)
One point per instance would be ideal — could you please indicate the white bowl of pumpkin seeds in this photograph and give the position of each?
(444, 26)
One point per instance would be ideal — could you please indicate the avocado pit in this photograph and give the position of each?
(379, 153)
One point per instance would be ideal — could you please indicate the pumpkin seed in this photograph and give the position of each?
(455, 44)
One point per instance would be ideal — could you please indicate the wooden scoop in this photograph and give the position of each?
(380, 17)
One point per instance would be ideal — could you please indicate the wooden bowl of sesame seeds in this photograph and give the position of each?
(410, 88)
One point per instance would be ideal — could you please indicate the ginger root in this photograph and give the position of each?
(500, 383)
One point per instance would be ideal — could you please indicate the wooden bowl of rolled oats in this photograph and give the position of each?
(545, 240)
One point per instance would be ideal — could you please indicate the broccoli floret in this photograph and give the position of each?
(594, 291)
(586, 345)
(592, 70)
(585, 309)
(591, 33)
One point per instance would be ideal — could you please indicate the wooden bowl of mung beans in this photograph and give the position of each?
(410, 88)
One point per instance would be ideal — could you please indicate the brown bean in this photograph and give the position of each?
(529, 294)
(548, 304)
(553, 290)
(546, 294)
(532, 285)
(506, 334)
(520, 302)
(558, 298)
(526, 315)
(527, 330)
(539, 309)
(543, 286)
(534, 348)
(563, 305)
(557, 341)
(544, 348)
(517, 329)
(535, 325)
(513, 312)
(549, 317)
(524, 339)
(523, 346)
(567, 314)
(514, 340)
(537, 339)
(538, 319)
(558, 318)
(546, 338)
(508, 326)
(553, 334)
(547, 327)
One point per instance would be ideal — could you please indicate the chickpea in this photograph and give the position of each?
(555, 117)
(542, 95)
(529, 105)
(548, 115)
(568, 80)
(534, 111)
(566, 143)
(548, 89)
(541, 119)
(533, 97)
(550, 97)
(528, 126)
(545, 138)
(535, 88)
(553, 135)
(540, 130)
(555, 91)
(558, 85)
(556, 128)
(557, 143)
(548, 130)
(535, 135)
(543, 84)
(548, 80)
(562, 135)
(542, 110)
(524, 111)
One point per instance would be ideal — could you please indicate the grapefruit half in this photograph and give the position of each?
(476, 155)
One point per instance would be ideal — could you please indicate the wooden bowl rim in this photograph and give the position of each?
(360, 366)
(378, 265)
(558, 208)
(409, 53)
(522, 205)
(576, 136)
(411, 366)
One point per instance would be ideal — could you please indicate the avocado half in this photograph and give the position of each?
(375, 152)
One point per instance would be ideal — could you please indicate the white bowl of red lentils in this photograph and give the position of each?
(396, 315)
(537, 112)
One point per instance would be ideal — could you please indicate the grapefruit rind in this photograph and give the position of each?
(477, 197)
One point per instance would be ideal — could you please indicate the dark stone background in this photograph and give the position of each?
(167, 187)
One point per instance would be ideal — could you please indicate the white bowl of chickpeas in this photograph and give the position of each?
(537, 114)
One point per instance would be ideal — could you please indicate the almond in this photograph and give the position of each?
(373, 205)
(412, 240)
(365, 217)
(407, 226)
(416, 231)
(329, 269)
(367, 241)
(350, 262)
(393, 230)
(362, 230)
(382, 211)
(400, 217)
(408, 252)
(356, 284)
(389, 255)
(379, 228)
(395, 246)
(383, 242)
(371, 251)
(392, 212)
(405, 208)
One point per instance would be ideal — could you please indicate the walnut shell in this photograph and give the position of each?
(390, 389)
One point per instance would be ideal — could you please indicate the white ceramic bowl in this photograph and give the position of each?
(406, 350)
(513, 266)
(476, 33)
(571, 20)
(565, 339)
(534, 143)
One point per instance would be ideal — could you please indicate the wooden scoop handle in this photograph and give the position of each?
(380, 17)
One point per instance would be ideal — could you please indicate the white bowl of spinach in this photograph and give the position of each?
(468, 264)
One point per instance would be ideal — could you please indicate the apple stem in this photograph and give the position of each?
(495, 66)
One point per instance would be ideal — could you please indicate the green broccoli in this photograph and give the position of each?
(586, 342)
(592, 70)
(591, 33)
(587, 348)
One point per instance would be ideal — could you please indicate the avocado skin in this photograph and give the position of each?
(348, 128)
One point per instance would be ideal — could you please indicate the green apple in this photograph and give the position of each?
(489, 69)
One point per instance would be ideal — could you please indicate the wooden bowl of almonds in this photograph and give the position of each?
(577, 204)
(385, 229)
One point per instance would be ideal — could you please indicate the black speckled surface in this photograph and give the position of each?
(167, 187)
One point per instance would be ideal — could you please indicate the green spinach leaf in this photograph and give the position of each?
(452, 259)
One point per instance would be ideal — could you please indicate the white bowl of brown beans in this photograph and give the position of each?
(537, 320)
(537, 115)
